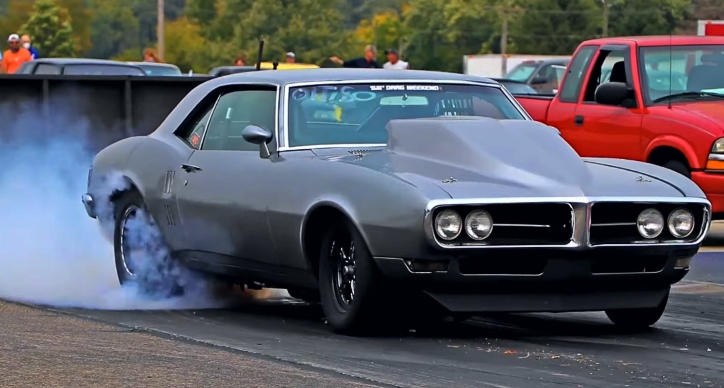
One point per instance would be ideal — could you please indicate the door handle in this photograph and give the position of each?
(190, 168)
(578, 120)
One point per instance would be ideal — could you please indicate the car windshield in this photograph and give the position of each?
(326, 114)
(101, 70)
(680, 70)
(521, 72)
(160, 70)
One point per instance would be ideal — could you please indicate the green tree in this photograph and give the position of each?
(647, 17)
(114, 29)
(52, 34)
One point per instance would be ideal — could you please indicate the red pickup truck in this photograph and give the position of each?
(658, 99)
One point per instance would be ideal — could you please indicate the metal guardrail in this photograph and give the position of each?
(111, 107)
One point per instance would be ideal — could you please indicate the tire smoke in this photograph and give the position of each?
(51, 252)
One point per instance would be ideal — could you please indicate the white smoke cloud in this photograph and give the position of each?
(51, 252)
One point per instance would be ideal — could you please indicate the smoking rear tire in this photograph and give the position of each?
(638, 319)
(351, 286)
(136, 235)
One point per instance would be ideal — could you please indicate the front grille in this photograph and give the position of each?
(615, 222)
(520, 224)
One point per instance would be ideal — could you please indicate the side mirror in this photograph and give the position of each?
(537, 80)
(260, 136)
(614, 93)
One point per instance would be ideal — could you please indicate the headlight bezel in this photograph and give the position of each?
(436, 224)
(717, 147)
(468, 224)
(639, 226)
(672, 229)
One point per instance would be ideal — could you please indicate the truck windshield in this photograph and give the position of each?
(682, 71)
(350, 113)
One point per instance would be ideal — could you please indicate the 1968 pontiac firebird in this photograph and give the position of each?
(369, 190)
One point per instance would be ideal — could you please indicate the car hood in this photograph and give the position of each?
(708, 110)
(484, 158)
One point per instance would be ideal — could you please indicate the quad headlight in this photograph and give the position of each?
(681, 223)
(478, 225)
(650, 223)
(448, 224)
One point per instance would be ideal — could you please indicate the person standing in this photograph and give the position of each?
(28, 45)
(149, 55)
(394, 61)
(367, 61)
(291, 57)
(240, 61)
(15, 56)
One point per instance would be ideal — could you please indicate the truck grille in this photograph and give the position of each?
(521, 224)
(615, 222)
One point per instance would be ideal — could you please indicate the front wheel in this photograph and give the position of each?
(638, 319)
(141, 256)
(352, 289)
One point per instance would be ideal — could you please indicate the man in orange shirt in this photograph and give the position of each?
(16, 55)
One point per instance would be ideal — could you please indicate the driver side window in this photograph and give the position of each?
(235, 111)
(610, 66)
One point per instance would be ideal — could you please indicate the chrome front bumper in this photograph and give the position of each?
(89, 205)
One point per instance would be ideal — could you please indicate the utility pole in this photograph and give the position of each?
(160, 28)
(504, 43)
(604, 29)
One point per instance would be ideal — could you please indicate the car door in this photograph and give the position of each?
(563, 107)
(604, 130)
(225, 183)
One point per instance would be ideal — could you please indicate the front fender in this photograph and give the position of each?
(678, 143)
(682, 183)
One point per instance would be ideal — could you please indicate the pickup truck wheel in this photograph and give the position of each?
(351, 286)
(679, 167)
(638, 319)
(141, 256)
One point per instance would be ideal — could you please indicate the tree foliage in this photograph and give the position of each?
(431, 34)
(51, 26)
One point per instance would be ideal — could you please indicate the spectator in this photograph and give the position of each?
(368, 61)
(15, 56)
(28, 45)
(291, 58)
(149, 55)
(393, 61)
(240, 61)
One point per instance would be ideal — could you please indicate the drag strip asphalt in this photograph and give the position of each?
(686, 348)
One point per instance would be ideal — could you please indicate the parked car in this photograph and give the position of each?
(653, 99)
(540, 75)
(79, 66)
(226, 70)
(515, 87)
(375, 191)
(158, 69)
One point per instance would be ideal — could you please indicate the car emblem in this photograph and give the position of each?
(449, 180)
(641, 178)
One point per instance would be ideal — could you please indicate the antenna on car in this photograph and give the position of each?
(260, 55)
(671, 59)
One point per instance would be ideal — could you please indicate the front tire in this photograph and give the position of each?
(638, 319)
(679, 167)
(351, 286)
(141, 255)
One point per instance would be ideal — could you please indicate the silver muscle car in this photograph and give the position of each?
(373, 190)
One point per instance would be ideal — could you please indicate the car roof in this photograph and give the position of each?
(344, 74)
(81, 61)
(659, 40)
(138, 63)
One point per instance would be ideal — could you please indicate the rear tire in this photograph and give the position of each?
(352, 288)
(141, 255)
(638, 319)
(679, 167)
